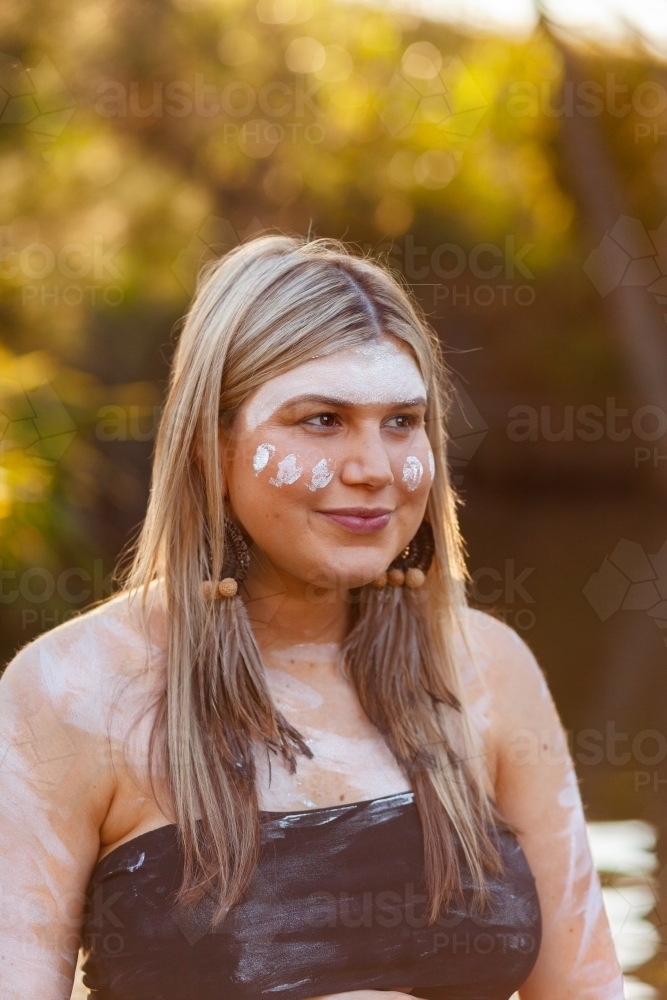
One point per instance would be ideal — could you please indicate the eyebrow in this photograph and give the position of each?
(339, 401)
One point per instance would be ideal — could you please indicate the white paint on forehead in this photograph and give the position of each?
(321, 475)
(431, 464)
(288, 471)
(379, 372)
(413, 471)
(262, 457)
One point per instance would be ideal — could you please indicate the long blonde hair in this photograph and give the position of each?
(266, 307)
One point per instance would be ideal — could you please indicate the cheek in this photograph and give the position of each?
(262, 457)
(278, 467)
(416, 468)
(322, 473)
(289, 470)
(412, 473)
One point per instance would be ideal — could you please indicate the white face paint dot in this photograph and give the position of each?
(288, 471)
(321, 476)
(262, 456)
(431, 464)
(413, 471)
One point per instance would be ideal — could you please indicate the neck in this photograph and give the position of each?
(285, 611)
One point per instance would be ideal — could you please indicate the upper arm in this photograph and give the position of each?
(537, 793)
(55, 787)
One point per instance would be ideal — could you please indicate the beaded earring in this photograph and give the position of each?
(410, 566)
(235, 567)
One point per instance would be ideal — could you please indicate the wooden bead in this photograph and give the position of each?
(213, 589)
(380, 582)
(396, 577)
(227, 587)
(414, 578)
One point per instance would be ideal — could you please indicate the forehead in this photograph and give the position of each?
(382, 371)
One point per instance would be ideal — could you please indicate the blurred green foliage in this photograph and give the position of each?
(139, 138)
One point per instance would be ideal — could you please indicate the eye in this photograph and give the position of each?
(324, 420)
(403, 421)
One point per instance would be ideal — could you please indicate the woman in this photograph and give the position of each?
(286, 760)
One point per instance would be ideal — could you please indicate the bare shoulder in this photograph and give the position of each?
(68, 703)
(89, 669)
(496, 644)
(500, 669)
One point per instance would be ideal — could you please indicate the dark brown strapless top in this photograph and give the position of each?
(337, 903)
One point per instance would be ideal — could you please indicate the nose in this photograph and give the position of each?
(366, 462)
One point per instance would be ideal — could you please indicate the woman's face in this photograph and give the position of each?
(328, 467)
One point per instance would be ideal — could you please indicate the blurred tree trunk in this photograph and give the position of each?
(633, 313)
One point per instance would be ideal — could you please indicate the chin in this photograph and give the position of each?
(349, 577)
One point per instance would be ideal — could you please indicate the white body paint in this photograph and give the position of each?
(321, 475)
(289, 471)
(74, 723)
(378, 372)
(68, 707)
(262, 457)
(431, 464)
(413, 471)
(306, 685)
(506, 692)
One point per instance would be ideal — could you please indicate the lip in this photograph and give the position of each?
(360, 520)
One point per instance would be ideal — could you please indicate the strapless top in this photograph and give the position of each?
(337, 903)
